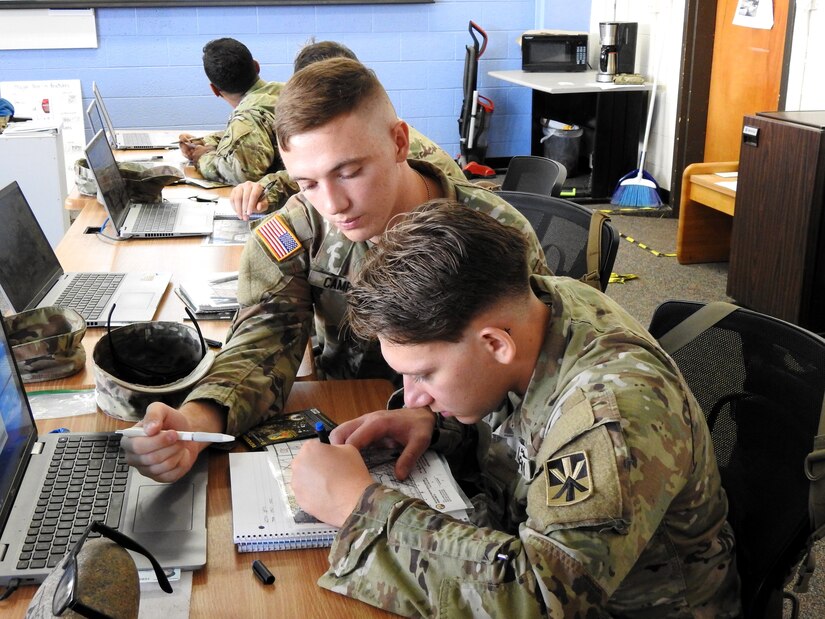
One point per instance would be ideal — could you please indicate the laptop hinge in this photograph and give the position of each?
(37, 448)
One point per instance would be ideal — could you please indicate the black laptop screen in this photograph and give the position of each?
(28, 264)
(17, 429)
(109, 181)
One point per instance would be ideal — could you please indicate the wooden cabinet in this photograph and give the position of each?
(777, 258)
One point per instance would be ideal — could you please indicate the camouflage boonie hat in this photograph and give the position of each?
(144, 181)
(47, 342)
(147, 362)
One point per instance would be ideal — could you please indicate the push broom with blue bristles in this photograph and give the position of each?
(638, 189)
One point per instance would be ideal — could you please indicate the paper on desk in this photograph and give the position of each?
(727, 174)
(154, 602)
(728, 185)
(66, 403)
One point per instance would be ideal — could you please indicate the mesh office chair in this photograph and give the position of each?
(564, 230)
(760, 382)
(534, 174)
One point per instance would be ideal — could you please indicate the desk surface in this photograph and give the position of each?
(184, 257)
(564, 83)
(227, 585)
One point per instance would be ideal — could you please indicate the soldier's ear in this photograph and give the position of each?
(401, 138)
(499, 344)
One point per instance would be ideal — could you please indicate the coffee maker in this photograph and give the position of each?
(617, 53)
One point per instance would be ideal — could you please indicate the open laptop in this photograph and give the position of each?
(157, 220)
(31, 275)
(129, 140)
(45, 504)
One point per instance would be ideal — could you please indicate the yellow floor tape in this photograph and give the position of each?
(621, 278)
(646, 248)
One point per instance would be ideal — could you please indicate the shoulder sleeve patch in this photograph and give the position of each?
(580, 483)
(277, 238)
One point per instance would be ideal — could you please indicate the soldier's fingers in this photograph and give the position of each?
(409, 456)
(372, 430)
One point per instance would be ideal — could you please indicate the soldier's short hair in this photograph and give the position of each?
(436, 269)
(229, 65)
(321, 92)
(315, 51)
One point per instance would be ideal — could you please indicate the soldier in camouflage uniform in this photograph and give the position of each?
(246, 149)
(349, 155)
(273, 190)
(596, 492)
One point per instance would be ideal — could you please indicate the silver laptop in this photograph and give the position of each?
(52, 485)
(31, 275)
(129, 140)
(164, 219)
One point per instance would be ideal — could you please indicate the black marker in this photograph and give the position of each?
(261, 571)
(321, 431)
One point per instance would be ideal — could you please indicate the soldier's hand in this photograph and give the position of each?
(248, 199)
(411, 428)
(160, 455)
(187, 142)
(328, 480)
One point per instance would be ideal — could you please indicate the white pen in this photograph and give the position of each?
(197, 437)
(225, 278)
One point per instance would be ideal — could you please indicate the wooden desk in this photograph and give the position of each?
(226, 587)
(705, 213)
(184, 257)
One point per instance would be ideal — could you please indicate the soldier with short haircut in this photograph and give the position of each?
(273, 190)
(345, 146)
(246, 150)
(597, 492)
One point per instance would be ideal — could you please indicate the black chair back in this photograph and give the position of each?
(534, 174)
(760, 382)
(563, 229)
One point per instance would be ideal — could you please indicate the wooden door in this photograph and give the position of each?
(746, 76)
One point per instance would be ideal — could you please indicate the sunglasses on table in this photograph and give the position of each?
(65, 595)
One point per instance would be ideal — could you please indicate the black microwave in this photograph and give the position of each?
(554, 52)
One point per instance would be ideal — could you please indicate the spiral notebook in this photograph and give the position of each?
(265, 515)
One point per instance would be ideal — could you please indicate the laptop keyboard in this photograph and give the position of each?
(86, 481)
(135, 139)
(88, 293)
(156, 218)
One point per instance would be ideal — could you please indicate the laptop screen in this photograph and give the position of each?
(17, 430)
(109, 181)
(104, 116)
(28, 264)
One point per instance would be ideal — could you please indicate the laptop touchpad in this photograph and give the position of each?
(165, 507)
(134, 300)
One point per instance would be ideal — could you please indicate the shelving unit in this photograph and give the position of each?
(611, 116)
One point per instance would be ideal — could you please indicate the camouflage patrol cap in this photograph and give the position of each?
(147, 362)
(144, 181)
(47, 342)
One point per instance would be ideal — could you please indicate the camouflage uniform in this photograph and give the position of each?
(47, 342)
(254, 372)
(278, 187)
(247, 149)
(600, 489)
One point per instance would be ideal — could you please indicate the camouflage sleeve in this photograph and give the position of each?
(255, 370)
(244, 153)
(278, 188)
(213, 139)
(397, 553)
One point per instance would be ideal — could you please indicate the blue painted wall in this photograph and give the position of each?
(148, 62)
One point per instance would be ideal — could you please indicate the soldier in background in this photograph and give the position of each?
(273, 190)
(246, 149)
(343, 143)
(597, 495)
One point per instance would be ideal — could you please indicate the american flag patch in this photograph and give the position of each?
(277, 238)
